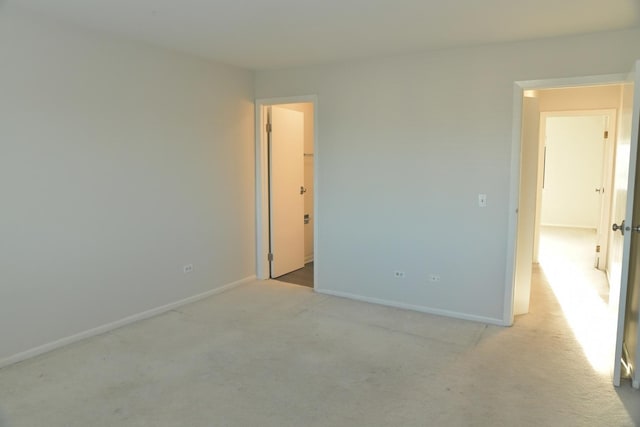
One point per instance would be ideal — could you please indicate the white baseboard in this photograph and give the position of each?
(117, 324)
(308, 259)
(428, 310)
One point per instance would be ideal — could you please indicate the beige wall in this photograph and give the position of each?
(119, 164)
(407, 144)
(584, 98)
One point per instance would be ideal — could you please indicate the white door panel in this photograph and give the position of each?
(286, 145)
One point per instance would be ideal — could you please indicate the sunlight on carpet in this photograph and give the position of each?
(588, 315)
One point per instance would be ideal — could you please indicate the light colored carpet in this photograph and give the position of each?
(274, 354)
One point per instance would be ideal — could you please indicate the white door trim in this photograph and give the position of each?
(262, 181)
(518, 92)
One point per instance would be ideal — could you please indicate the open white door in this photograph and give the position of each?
(286, 167)
(624, 259)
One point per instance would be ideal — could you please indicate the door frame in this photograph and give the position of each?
(604, 216)
(262, 181)
(519, 88)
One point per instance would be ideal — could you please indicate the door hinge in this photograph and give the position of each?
(268, 127)
(606, 134)
(270, 257)
(597, 248)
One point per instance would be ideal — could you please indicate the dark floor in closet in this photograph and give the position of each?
(303, 276)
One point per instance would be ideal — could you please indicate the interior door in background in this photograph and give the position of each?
(286, 190)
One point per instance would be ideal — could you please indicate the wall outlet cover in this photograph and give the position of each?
(482, 200)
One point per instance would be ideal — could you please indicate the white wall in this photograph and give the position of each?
(405, 146)
(119, 164)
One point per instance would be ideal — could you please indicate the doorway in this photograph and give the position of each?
(286, 196)
(575, 187)
(566, 187)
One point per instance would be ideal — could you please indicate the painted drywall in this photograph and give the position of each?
(307, 109)
(120, 163)
(406, 144)
(573, 170)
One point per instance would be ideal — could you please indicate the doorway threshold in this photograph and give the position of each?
(303, 276)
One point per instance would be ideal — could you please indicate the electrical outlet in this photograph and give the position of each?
(188, 269)
(399, 274)
(482, 200)
(434, 277)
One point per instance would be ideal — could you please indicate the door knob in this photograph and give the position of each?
(616, 227)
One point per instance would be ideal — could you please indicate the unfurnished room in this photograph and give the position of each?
(319, 213)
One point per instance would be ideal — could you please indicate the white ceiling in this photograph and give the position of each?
(260, 34)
